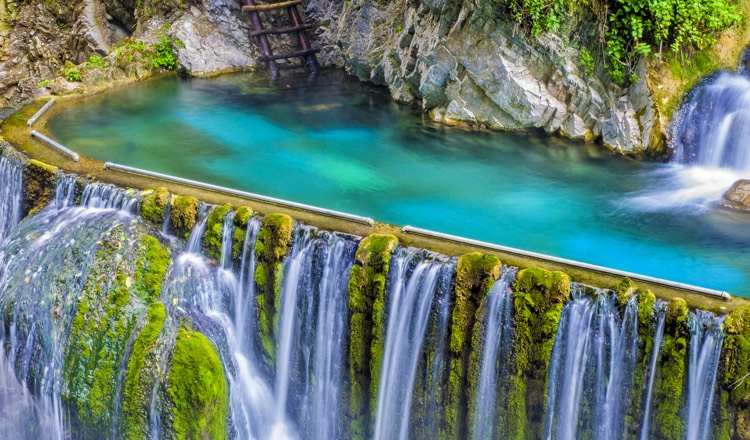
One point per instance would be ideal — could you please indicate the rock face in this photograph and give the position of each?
(738, 196)
(465, 68)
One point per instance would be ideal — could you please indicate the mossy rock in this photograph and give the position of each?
(671, 368)
(475, 274)
(184, 215)
(367, 327)
(271, 247)
(139, 382)
(197, 389)
(538, 302)
(124, 276)
(39, 183)
(241, 219)
(214, 230)
(154, 206)
(736, 363)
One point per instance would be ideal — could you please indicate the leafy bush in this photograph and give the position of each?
(587, 60)
(44, 83)
(163, 57)
(95, 61)
(73, 75)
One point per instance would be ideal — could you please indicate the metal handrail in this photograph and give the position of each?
(56, 144)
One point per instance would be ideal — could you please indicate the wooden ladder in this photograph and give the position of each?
(295, 26)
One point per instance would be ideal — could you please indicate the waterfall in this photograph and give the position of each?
(11, 190)
(661, 313)
(495, 367)
(44, 266)
(413, 283)
(714, 124)
(592, 362)
(706, 339)
(303, 398)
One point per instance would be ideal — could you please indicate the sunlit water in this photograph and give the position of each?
(340, 144)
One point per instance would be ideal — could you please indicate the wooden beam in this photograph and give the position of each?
(271, 6)
(286, 30)
(300, 53)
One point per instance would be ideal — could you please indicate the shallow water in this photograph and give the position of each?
(340, 144)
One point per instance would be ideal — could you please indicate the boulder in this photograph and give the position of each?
(738, 196)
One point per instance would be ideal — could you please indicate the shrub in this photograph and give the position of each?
(73, 74)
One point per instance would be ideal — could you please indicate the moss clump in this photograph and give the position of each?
(475, 274)
(138, 386)
(671, 366)
(538, 301)
(197, 389)
(214, 227)
(241, 219)
(736, 361)
(154, 205)
(39, 181)
(152, 267)
(366, 326)
(272, 245)
(184, 215)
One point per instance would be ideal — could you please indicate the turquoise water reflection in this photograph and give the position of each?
(340, 144)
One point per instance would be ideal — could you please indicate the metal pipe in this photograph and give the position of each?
(702, 290)
(41, 111)
(56, 144)
(355, 218)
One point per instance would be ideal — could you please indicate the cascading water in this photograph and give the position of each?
(413, 284)
(661, 313)
(303, 399)
(495, 367)
(45, 262)
(592, 362)
(11, 189)
(714, 124)
(706, 339)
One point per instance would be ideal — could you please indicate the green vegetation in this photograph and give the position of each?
(736, 355)
(73, 75)
(367, 326)
(197, 389)
(475, 274)
(44, 83)
(214, 227)
(241, 218)
(184, 215)
(39, 186)
(633, 29)
(160, 54)
(154, 206)
(95, 61)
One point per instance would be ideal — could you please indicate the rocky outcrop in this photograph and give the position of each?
(738, 196)
(465, 66)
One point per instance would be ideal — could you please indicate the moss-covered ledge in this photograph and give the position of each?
(367, 328)
(538, 299)
(736, 384)
(475, 274)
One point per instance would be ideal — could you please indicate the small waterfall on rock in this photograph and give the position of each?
(591, 367)
(714, 124)
(495, 366)
(413, 284)
(706, 339)
(11, 190)
(45, 263)
(661, 313)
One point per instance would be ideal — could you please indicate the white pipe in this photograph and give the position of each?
(41, 111)
(55, 144)
(419, 231)
(356, 218)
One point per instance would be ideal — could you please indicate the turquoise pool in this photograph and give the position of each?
(340, 144)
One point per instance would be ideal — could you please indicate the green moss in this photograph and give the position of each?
(154, 205)
(538, 301)
(214, 226)
(671, 367)
(184, 215)
(272, 245)
(151, 267)
(736, 356)
(475, 274)
(367, 329)
(137, 392)
(39, 181)
(241, 219)
(197, 389)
